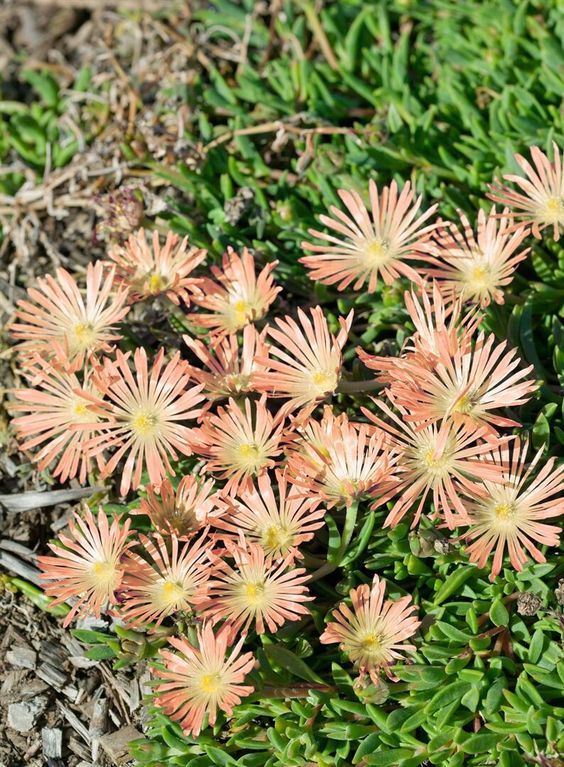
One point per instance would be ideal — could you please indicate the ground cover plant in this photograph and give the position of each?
(319, 377)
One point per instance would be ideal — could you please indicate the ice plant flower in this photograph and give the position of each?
(258, 590)
(476, 266)
(374, 631)
(440, 324)
(467, 386)
(305, 364)
(228, 364)
(440, 327)
(149, 269)
(540, 202)
(237, 296)
(509, 514)
(57, 418)
(366, 243)
(87, 565)
(239, 442)
(340, 461)
(161, 582)
(195, 682)
(280, 524)
(60, 316)
(144, 411)
(433, 458)
(182, 511)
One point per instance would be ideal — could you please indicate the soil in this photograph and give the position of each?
(56, 706)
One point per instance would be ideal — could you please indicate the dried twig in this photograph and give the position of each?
(19, 502)
(97, 5)
(319, 33)
(279, 125)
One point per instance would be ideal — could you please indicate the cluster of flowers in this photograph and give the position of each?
(226, 540)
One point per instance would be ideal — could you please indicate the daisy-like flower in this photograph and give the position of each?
(149, 269)
(340, 461)
(230, 365)
(475, 267)
(373, 632)
(466, 387)
(509, 514)
(239, 442)
(305, 365)
(182, 511)
(144, 412)
(61, 317)
(278, 525)
(57, 417)
(440, 327)
(368, 244)
(258, 590)
(237, 296)
(87, 566)
(159, 583)
(195, 682)
(540, 202)
(431, 458)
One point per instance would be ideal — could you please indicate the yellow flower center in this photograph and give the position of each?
(242, 310)
(371, 642)
(80, 413)
(250, 457)
(144, 423)
(276, 537)
(324, 381)
(553, 211)
(480, 277)
(156, 284)
(104, 575)
(254, 593)
(376, 253)
(170, 593)
(434, 462)
(464, 405)
(504, 510)
(234, 384)
(211, 683)
(249, 451)
(347, 488)
(83, 335)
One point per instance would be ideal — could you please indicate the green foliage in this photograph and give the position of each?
(35, 133)
(442, 92)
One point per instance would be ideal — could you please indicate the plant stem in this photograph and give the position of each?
(333, 561)
(358, 387)
(294, 691)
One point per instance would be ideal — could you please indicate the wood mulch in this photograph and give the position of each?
(56, 706)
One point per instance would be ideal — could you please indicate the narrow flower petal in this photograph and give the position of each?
(145, 411)
(147, 268)
(508, 515)
(87, 565)
(237, 296)
(369, 244)
(257, 590)
(540, 203)
(373, 633)
(195, 681)
(305, 363)
(62, 316)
